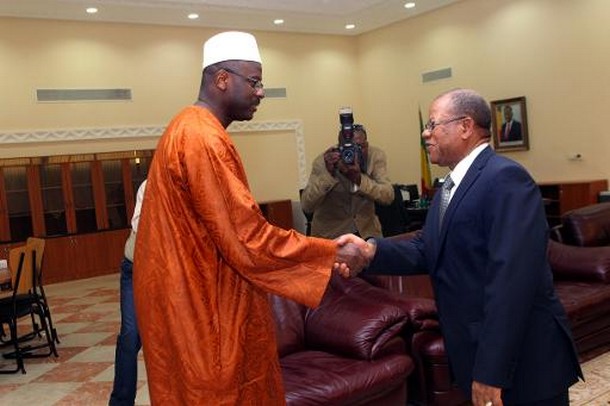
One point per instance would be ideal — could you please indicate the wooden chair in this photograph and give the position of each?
(8, 309)
(37, 245)
(22, 303)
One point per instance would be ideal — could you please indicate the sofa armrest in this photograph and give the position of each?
(579, 263)
(422, 313)
(354, 325)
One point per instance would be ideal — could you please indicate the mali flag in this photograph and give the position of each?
(426, 175)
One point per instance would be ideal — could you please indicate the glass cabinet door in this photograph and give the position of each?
(139, 171)
(115, 194)
(53, 200)
(18, 203)
(84, 205)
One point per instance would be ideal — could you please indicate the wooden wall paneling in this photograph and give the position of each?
(99, 195)
(66, 182)
(35, 195)
(60, 258)
(106, 249)
(5, 231)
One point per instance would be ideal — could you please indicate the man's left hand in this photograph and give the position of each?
(486, 395)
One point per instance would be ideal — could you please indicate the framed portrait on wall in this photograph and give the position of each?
(509, 124)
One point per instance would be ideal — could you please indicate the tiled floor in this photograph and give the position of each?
(86, 315)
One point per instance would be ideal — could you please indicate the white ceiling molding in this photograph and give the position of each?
(79, 134)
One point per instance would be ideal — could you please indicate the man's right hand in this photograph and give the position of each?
(353, 255)
(331, 159)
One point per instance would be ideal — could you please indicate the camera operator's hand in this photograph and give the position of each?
(331, 158)
(352, 172)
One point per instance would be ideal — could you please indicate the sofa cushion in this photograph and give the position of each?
(587, 226)
(354, 326)
(588, 308)
(584, 301)
(320, 378)
(579, 263)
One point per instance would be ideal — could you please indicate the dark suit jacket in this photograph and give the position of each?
(502, 323)
(514, 134)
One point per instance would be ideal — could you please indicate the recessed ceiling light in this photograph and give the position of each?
(350, 26)
(91, 10)
(193, 16)
(278, 21)
(410, 5)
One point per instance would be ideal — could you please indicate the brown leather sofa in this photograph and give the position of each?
(347, 351)
(580, 258)
(579, 255)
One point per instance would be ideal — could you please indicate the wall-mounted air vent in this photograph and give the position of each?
(76, 95)
(436, 75)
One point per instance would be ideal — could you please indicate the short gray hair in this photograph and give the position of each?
(466, 102)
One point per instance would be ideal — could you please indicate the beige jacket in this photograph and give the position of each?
(336, 210)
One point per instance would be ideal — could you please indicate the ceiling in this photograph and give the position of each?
(305, 16)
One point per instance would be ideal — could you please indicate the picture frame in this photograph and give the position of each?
(509, 124)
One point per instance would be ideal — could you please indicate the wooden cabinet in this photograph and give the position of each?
(81, 205)
(560, 197)
(83, 256)
(278, 213)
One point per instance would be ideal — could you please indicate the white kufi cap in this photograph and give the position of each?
(230, 45)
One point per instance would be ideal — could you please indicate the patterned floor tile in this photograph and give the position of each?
(84, 339)
(68, 308)
(73, 372)
(100, 327)
(39, 394)
(33, 371)
(89, 393)
(69, 328)
(98, 353)
(83, 316)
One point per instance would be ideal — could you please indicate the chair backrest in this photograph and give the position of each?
(37, 245)
(308, 217)
(587, 226)
(20, 264)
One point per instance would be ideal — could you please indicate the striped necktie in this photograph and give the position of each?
(445, 195)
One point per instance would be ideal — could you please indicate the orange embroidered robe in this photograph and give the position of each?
(205, 259)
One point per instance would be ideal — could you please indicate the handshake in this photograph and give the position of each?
(353, 255)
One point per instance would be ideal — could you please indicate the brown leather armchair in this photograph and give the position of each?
(347, 351)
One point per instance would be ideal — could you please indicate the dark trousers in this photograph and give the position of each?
(562, 399)
(128, 344)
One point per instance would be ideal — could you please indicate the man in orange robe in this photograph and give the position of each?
(206, 257)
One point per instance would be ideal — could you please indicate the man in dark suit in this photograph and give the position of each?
(511, 129)
(506, 333)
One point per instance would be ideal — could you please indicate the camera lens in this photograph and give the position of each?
(348, 155)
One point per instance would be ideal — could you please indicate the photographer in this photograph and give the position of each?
(341, 195)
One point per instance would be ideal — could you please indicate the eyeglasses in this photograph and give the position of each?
(255, 83)
(431, 125)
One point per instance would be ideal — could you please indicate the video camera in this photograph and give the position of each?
(350, 152)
